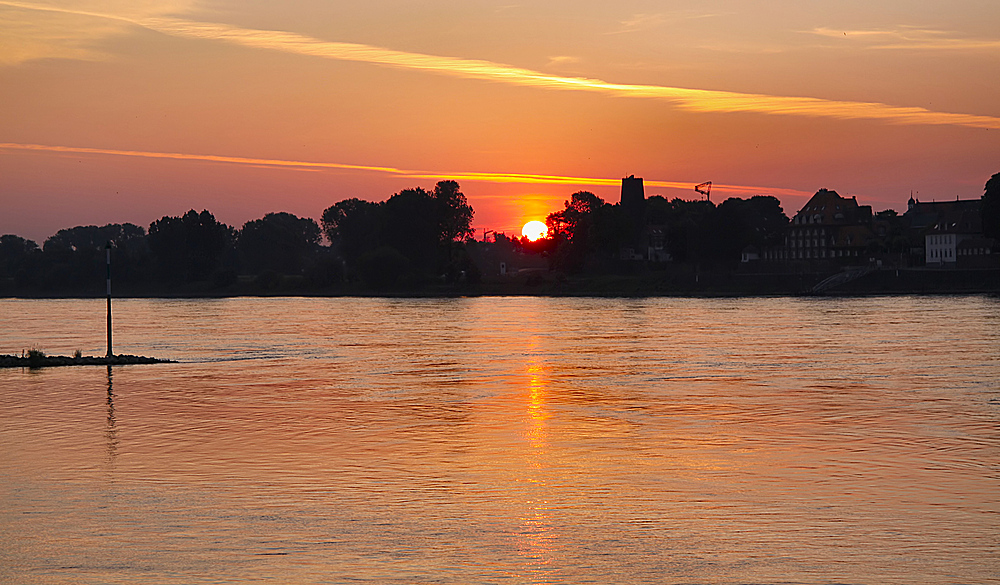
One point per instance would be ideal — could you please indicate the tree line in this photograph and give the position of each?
(588, 234)
(413, 237)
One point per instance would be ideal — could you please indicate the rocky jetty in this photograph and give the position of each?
(48, 361)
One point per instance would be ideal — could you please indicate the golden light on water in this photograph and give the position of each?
(545, 440)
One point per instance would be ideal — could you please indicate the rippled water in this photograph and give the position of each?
(505, 440)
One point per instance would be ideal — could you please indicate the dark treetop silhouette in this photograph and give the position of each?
(421, 242)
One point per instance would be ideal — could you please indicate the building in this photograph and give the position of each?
(633, 199)
(977, 252)
(951, 233)
(749, 254)
(648, 240)
(827, 228)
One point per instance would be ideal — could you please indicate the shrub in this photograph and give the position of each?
(35, 357)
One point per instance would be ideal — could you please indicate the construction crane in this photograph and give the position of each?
(705, 189)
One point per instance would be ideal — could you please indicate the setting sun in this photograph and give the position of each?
(534, 230)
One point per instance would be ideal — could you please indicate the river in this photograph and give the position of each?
(504, 440)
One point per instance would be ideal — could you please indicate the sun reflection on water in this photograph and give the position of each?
(536, 537)
(537, 414)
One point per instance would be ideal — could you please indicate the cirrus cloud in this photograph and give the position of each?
(909, 38)
(688, 99)
(474, 176)
(47, 29)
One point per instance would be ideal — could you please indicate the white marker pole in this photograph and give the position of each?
(107, 249)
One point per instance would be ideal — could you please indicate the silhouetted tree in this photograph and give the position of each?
(16, 254)
(279, 242)
(577, 218)
(990, 210)
(410, 225)
(589, 231)
(189, 247)
(759, 221)
(74, 258)
(574, 230)
(690, 228)
(352, 227)
(425, 227)
(454, 214)
(454, 225)
(130, 252)
(95, 238)
(384, 267)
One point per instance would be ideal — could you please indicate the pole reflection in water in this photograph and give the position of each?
(111, 431)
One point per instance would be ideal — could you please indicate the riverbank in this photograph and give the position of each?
(676, 282)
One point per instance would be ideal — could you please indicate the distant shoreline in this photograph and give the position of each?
(707, 284)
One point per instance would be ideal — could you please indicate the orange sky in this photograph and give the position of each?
(119, 110)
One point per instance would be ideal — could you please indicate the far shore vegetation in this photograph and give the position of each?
(420, 242)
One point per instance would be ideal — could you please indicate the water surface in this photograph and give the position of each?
(505, 440)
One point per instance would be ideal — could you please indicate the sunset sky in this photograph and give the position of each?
(129, 110)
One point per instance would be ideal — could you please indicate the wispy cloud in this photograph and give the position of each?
(909, 38)
(693, 100)
(639, 22)
(560, 60)
(49, 29)
(645, 21)
(473, 176)
(259, 162)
